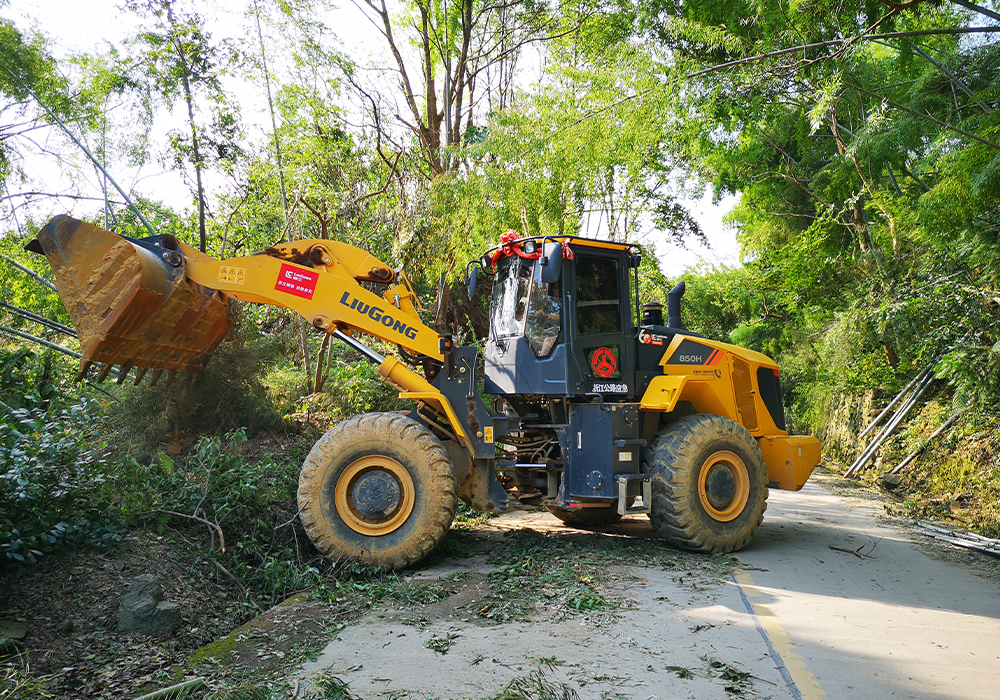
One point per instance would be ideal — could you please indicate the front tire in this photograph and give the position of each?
(709, 484)
(379, 489)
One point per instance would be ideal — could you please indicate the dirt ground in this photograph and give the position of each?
(518, 606)
(69, 607)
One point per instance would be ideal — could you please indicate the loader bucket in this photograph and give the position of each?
(130, 300)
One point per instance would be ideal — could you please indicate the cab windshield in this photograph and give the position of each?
(524, 305)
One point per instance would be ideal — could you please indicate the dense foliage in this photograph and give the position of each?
(52, 486)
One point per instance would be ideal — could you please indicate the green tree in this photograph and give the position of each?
(176, 55)
(27, 72)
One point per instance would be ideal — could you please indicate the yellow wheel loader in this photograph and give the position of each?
(599, 407)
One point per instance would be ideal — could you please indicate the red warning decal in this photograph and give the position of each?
(604, 362)
(294, 280)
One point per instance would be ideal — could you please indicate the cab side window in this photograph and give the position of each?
(598, 307)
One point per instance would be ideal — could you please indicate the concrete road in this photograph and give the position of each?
(806, 622)
(897, 624)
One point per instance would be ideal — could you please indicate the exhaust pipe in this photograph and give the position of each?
(674, 306)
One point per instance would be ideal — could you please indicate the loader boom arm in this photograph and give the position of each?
(321, 281)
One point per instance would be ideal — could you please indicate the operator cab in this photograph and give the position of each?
(561, 318)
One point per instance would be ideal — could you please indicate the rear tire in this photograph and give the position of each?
(709, 484)
(379, 489)
(584, 518)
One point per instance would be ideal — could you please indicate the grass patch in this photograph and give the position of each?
(568, 575)
(535, 686)
(441, 644)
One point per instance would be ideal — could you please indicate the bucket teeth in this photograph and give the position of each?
(123, 372)
(171, 376)
(156, 377)
(140, 372)
(105, 371)
(85, 366)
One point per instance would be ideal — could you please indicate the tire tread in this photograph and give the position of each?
(678, 516)
(422, 446)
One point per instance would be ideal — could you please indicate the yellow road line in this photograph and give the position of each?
(800, 679)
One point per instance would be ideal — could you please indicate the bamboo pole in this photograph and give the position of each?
(28, 271)
(892, 403)
(923, 446)
(40, 341)
(881, 435)
(890, 428)
(47, 322)
(174, 690)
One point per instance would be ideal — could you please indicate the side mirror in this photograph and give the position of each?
(470, 281)
(551, 262)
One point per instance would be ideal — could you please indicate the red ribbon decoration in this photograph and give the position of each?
(508, 247)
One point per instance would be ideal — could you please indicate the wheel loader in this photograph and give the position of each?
(584, 402)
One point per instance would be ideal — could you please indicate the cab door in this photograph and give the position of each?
(599, 324)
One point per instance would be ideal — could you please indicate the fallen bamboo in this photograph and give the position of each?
(174, 690)
(40, 341)
(885, 431)
(890, 427)
(966, 540)
(47, 322)
(32, 273)
(892, 403)
(924, 445)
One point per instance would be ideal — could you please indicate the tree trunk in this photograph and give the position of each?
(195, 148)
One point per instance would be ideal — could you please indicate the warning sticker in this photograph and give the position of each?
(294, 280)
(232, 275)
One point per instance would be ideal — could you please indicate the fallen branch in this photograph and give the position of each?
(855, 552)
(174, 691)
(209, 523)
(243, 588)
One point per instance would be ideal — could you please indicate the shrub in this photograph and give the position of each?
(51, 487)
(228, 395)
(251, 503)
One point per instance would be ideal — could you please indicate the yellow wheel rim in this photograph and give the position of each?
(723, 486)
(375, 495)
